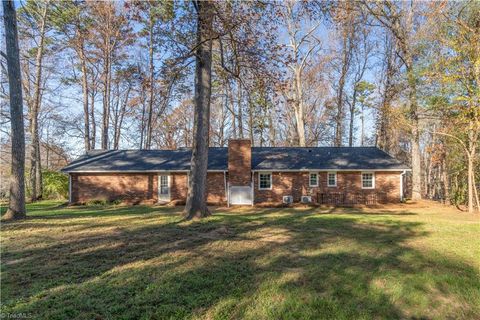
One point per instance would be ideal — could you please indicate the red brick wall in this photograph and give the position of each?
(239, 162)
(130, 187)
(215, 187)
(283, 184)
(178, 186)
(138, 187)
(296, 184)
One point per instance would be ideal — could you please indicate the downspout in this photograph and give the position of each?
(401, 184)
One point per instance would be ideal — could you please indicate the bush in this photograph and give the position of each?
(55, 185)
(97, 202)
(116, 202)
(104, 202)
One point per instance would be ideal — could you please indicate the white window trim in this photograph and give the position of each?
(260, 188)
(332, 185)
(310, 180)
(373, 179)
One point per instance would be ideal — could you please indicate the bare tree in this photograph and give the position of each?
(34, 18)
(69, 19)
(196, 200)
(361, 56)
(302, 46)
(16, 208)
(122, 86)
(344, 17)
(399, 19)
(388, 90)
(112, 30)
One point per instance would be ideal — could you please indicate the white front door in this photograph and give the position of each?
(163, 187)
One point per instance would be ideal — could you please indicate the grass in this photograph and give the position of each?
(113, 262)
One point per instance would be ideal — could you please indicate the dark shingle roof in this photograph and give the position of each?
(145, 160)
(323, 158)
(275, 159)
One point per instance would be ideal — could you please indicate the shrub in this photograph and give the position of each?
(55, 185)
(116, 202)
(97, 202)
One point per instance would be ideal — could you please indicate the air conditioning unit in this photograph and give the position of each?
(306, 199)
(287, 199)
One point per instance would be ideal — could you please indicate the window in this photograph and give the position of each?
(264, 181)
(332, 179)
(313, 181)
(368, 180)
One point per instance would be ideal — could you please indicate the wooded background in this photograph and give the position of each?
(402, 76)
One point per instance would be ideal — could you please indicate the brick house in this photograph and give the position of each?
(241, 174)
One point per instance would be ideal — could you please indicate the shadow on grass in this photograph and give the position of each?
(263, 263)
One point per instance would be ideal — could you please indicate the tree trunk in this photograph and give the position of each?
(39, 174)
(299, 109)
(16, 207)
(116, 113)
(92, 119)
(196, 200)
(470, 182)
(151, 91)
(232, 109)
(362, 129)
(107, 58)
(47, 150)
(475, 192)
(240, 111)
(415, 137)
(352, 119)
(416, 165)
(35, 160)
(142, 125)
(350, 130)
(341, 86)
(221, 139)
(271, 130)
(339, 117)
(106, 103)
(86, 118)
(446, 184)
(250, 122)
(123, 109)
(384, 114)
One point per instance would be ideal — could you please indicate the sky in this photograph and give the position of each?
(68, 98)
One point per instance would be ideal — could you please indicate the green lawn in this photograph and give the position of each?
(405, 262)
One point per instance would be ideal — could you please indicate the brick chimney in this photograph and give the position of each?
(239, 162)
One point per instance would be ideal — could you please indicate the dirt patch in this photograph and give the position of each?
(276, 235)
(218, 233)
